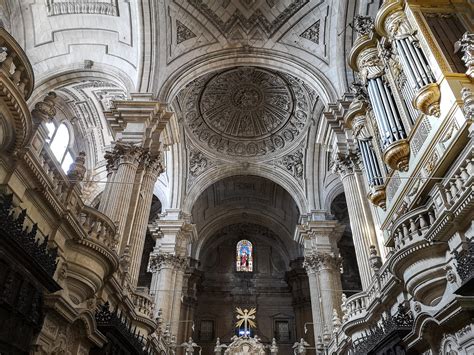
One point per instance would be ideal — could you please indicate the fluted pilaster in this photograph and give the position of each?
(124, 159)
(163, 267)
(152, 169)
(326, 269)
(361, 221)
(315, 296)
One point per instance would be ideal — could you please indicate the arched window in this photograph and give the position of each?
(59, 140)
(244, 256)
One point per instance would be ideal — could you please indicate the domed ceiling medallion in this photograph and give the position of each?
(246, 111)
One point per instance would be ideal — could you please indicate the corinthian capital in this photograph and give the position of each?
(317, 261)
(123, 153)
(152, 163)
(346, 165)
(160, 261)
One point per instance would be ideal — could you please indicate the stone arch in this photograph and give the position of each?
(264, 58)
(63, 78)
(235, 218)
(214, 175)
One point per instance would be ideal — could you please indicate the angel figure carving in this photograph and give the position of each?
(189, 346)
(300, 348)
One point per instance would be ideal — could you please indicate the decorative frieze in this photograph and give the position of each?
(420, 135)
(66, 7)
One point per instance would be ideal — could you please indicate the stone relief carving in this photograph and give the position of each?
(363, 24)
(198, 163)
(246, 112)
(466, 44)
(247, 15)
(65, 7)
(312, 32)
(183, 33)
(293, 163)
(468, 98)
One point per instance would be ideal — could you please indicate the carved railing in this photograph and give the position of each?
(13, 228)
(449, 200)
(99, 227)
(143, 302)
(413, 226)
(356, 306)
(113, 322)
(391, 326)
(15, 65)
(465, 262)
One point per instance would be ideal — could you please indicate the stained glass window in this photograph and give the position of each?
(244, 256)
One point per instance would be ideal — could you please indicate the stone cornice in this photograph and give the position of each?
(319, 232)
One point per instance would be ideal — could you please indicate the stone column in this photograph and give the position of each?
(168, 263)
(362, 224)
(324, 275)
(152, 169)
(179, 270)
(315, 293)
(322, 262)
(124, 159)
(163, 265)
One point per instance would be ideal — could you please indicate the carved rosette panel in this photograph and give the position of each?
(246, 112)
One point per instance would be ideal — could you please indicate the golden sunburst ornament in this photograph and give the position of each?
(246, 318)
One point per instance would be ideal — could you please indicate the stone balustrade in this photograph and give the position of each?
(99, 227)
(14, 64)
(413, 226)
(449, 199)
(144, 304)
(356, 306)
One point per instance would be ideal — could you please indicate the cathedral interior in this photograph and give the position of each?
(230, 177)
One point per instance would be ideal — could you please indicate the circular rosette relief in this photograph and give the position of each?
(246, 111)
